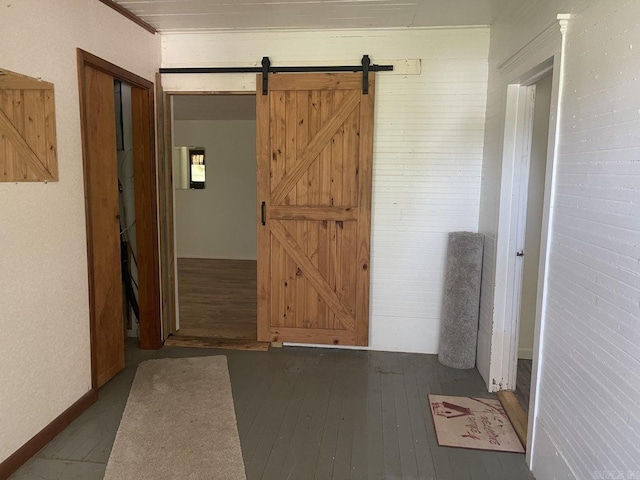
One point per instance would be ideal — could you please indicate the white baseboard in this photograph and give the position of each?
(525, 353)
(218, 257)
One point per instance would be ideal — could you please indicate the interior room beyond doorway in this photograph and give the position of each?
(215, 226)
(533, 234)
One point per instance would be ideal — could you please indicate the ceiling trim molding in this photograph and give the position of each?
(549, 34)
(131, 16)
(225, 31)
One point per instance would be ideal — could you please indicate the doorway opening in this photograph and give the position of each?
(530, 134)
(529, 255)
(215, 225)
(127, 211)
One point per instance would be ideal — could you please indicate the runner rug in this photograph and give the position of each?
(179, 422)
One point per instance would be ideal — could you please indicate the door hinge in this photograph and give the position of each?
(263, 209)
(520, 253)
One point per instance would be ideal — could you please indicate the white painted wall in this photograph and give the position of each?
(219, 221)
(588, 422)
(535, 201)
(427, 153)
(44, 310)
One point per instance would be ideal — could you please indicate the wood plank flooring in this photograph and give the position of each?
(220, 343)
(307, 413)
(217, 298)
(523, 383)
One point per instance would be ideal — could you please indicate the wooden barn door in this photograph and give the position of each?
(314, 149)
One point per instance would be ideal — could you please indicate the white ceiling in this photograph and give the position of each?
(198, 15)
(214, 107)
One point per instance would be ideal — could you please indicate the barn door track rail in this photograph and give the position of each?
(365, 67)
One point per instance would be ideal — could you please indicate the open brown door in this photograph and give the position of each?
(96, 86)
(101, 180)
(314, 148)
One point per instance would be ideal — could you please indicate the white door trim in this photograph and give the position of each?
(519, 73)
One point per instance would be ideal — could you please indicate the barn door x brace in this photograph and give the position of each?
(266, 69)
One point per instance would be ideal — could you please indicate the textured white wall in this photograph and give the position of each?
(44, 313)
(427, 154)
(219, 221)
(588, 423)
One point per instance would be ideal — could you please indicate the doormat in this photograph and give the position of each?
(475, 423)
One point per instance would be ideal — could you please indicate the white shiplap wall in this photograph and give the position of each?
(588, 409)
(427, 154)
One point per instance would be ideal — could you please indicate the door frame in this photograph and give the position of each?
(145, 198)
(520, 73)
(169, 260)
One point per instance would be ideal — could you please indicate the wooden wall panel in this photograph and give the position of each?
(27, 129)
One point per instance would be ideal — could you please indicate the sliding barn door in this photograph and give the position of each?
(101, 188)
(315, 143)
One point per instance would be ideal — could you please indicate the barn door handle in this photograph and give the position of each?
(263, 208)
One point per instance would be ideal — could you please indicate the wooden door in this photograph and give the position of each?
(27, 129)
(314, 149)
(101, 187)
(165, 210)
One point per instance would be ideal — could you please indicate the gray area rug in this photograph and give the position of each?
(460, 308)
(179, 422)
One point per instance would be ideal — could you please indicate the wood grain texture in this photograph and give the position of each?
(114, 70)
(217, 298)
(330, 336)
(101, 183)
(324, 289)
(314, 213)
(165, 210)
(516, 413)
(317, 82)
(303, 160)
(365, 178)
(264, 253)
(144, 166)
(103, 254)
(221, 343)
(317, 146)
(27, 130)
(15, 81)
(130, 15)
(169, 220)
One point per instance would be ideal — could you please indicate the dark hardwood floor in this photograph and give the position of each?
(217, 298)
(306, 413)
(523, 383)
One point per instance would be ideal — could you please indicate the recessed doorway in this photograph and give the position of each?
(533, 228)
(215, 220)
